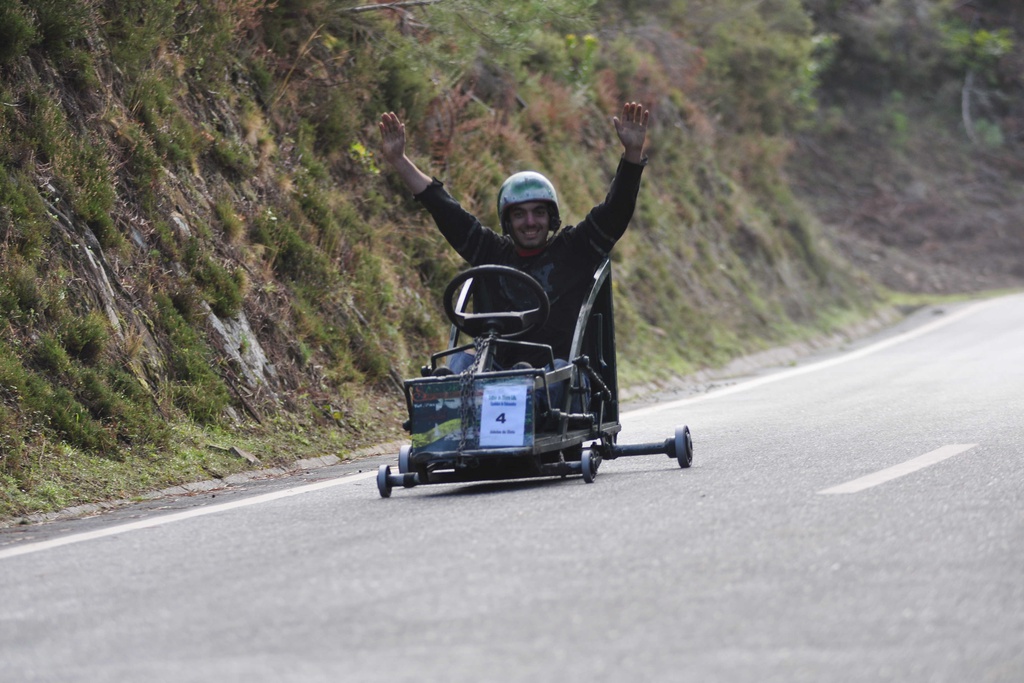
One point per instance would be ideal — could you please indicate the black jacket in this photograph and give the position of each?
(564, 267)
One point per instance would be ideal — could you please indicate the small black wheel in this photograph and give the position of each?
(588, 465)
(684, 447)
(383, 485)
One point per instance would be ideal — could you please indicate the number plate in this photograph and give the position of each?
(503, 415)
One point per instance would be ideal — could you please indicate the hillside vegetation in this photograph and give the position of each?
(199, 248)
(914, 162)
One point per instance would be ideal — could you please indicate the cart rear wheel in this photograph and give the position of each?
(588, 465)
(383, 485)
(684, 447)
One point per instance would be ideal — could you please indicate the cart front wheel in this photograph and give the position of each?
(383, 485)
(588, 464)
(684, 447)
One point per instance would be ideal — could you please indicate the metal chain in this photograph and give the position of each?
(467, 398)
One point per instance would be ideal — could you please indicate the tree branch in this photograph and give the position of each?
(965, 106)
(391, 5)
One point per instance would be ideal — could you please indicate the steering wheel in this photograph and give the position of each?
(509, 324)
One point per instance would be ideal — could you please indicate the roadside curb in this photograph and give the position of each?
(204, 486)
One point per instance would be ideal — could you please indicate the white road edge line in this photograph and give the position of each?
(897, 471)
(180, 516)
(814, 367)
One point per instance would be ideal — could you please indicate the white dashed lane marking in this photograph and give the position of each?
(903, 469)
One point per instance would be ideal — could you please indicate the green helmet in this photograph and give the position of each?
(527, 186)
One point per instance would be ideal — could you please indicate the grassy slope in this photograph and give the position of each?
(199, 249)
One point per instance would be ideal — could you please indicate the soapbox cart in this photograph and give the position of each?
(486, 423)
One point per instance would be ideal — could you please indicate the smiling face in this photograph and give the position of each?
(529, 223)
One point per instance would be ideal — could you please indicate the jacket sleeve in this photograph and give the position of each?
(473, 242)
(607, 221)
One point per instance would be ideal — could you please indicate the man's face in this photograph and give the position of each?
(529, 223)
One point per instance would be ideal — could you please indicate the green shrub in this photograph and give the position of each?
(262, 79)
(338, 122)
(50, 356)
(221, 288)
(17, 31)
(195, 388)
(71, 419)
(404, 87)
(143, 165)
(86, 337)
(22, 282)
(171, 135)
(102, 401)
(81, 169)
(44, 401)
(208, 30)
(94, 196)
(293, 257)
(188, 303)
(233, 157)
(23, 215)
(899, 121)
(761, 75)
(61, 24)
(230, 221)
(80, 70)
(989, 133)
(886, 45)
(136, 29)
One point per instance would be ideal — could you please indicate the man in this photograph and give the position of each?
(562, 261)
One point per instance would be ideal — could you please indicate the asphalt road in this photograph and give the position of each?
(855, 517)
